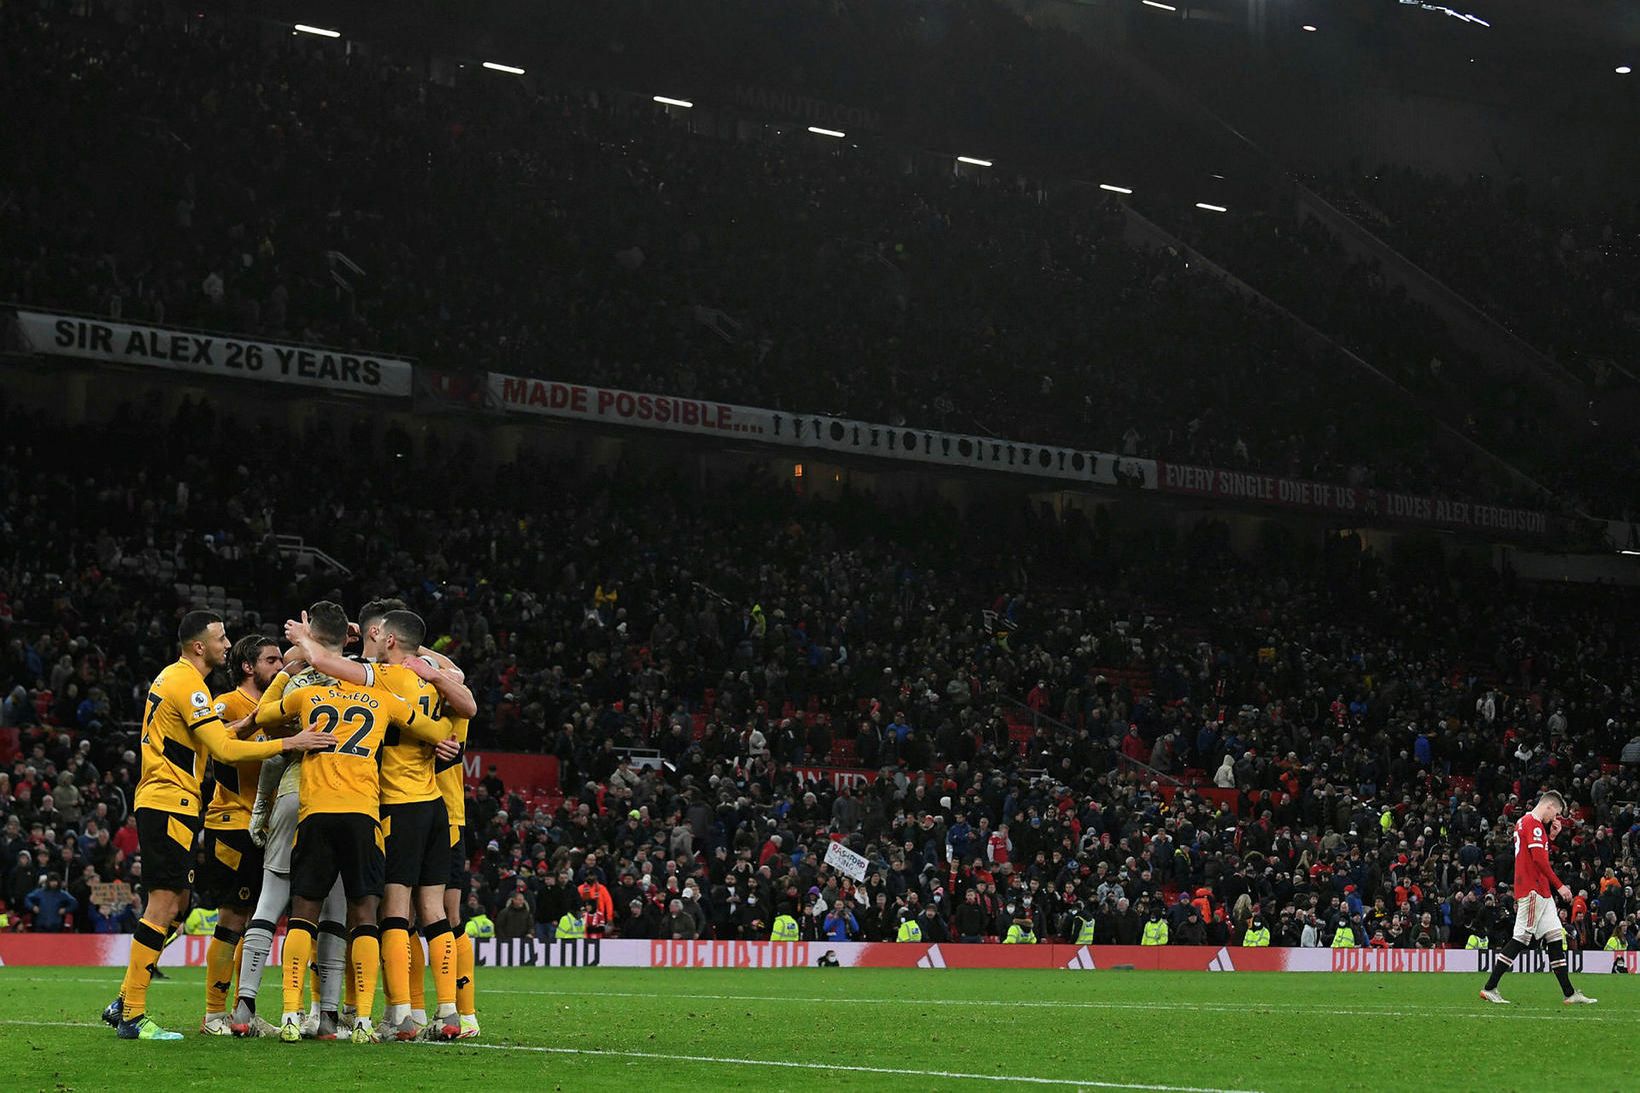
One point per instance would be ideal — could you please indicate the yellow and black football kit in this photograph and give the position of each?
(415, 825)
(232, 876)
(338, 820)
(452, 786)
(180, 729)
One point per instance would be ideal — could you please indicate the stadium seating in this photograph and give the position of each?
(1349, 694)
(903, 303)
(955, 544)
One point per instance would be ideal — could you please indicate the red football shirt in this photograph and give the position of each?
(1532, 870)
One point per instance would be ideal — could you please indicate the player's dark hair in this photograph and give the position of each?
(194, 624)
(376, 610)
(245, 652)
(328, 622)
(1553, 795)
(407, 627)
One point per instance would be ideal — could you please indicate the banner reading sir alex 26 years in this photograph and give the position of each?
(214, 354)
(702, 417)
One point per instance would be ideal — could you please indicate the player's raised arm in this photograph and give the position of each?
(429, 730)
(445, 664)
(457, 697)
(1540, 858)
(324, 660)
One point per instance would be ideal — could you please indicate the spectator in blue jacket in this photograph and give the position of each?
(841, 925)
(50, 905)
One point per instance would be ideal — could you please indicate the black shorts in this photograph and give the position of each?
(457, 879)
(166, 842)
(337, 844)
(418, 843)
(232, 876)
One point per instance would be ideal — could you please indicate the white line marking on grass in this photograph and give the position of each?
(111, 981)
(1199, 1007)
(1020, 1079)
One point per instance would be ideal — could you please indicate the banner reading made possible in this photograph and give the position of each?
(213, 354)
(518, 394)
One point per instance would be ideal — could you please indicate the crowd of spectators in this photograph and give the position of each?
(286, 189)
(1304, 735)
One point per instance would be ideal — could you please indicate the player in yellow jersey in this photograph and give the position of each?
(338, 828)
(180, 728)
(273, 826)
(444, 674)
(453, 788)
(233, 863)
(415, 824)
(279, 796)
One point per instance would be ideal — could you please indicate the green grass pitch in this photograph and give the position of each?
(625, 1029)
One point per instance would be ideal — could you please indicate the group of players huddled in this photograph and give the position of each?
(338, 795)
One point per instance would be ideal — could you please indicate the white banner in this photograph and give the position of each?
(213, 354)
(841, 858)
(578, 402)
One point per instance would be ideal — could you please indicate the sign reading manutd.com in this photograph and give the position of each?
(213, 354)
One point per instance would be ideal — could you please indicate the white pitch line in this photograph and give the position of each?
(1490, 1014)
(1018, 1079)
(113, 981)
(1201, 1007)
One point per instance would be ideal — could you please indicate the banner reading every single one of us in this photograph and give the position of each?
(213, 354)
(1369, 503)
(705, 417)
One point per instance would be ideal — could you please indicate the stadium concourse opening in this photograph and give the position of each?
(685, 544)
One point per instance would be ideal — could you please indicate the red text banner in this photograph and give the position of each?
(1201, 958)
(1262, 488)
(1368, 504)
(813, 432)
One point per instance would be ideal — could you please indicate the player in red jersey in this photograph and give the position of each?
(1535, 888)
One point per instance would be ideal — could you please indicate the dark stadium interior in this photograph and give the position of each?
(1397, 254)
